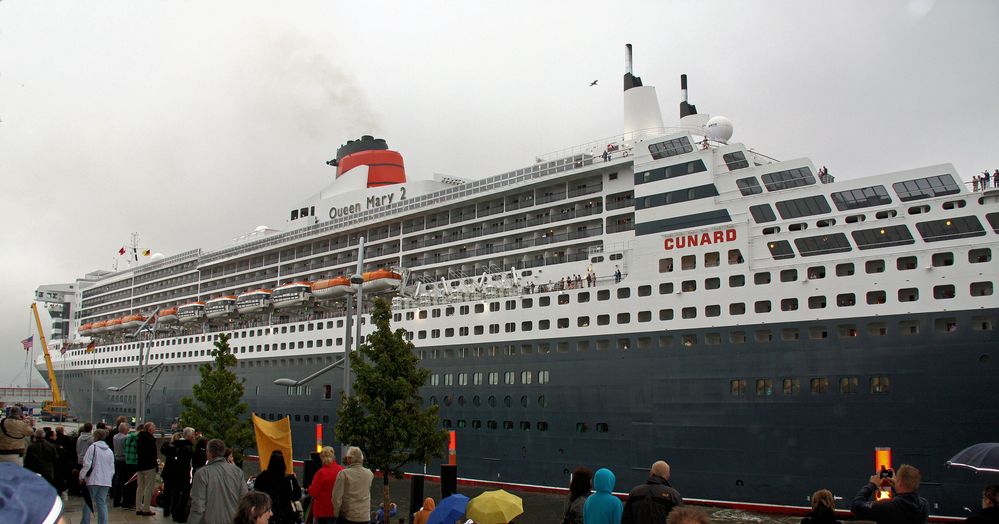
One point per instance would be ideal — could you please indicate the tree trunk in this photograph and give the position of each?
(387, 504)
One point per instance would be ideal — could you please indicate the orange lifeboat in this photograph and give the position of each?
(167, 316)
(113, 325)
(220, 307)
(87, 329)
(132, 321)
(331, 288)
(380, 281)
(294, 294)
(253, 301)
(99, 327)
(190, 312)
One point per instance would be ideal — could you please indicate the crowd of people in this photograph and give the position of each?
(118, 466)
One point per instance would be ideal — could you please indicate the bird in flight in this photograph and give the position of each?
(593, 83)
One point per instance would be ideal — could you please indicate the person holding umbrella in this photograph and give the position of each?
(450, 509)
(990, 506)
(421, 516)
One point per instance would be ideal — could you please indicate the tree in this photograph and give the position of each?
(384, 416)
(217, 408)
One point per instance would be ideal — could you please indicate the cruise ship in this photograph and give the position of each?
(664, 294)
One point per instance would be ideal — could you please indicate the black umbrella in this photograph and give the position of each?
(980, 457)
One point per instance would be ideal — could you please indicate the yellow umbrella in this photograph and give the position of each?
(494, 507)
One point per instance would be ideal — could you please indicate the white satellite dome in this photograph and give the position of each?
(719, 129)
(157, 256)
(261, 229)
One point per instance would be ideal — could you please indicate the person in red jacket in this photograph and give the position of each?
(321, 488)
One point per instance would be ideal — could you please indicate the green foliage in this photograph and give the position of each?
(383, 416)
(217, 409)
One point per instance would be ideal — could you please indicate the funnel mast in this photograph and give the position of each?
(641, 105)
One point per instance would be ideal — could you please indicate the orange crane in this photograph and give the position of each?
(58, 407)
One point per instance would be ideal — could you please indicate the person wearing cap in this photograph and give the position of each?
(25, 498)
(13, 430)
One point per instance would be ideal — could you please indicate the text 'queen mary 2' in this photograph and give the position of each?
(664, 294)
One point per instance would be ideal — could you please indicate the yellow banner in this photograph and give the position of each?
(272, 436)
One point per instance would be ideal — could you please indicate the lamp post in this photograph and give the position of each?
(140, 404)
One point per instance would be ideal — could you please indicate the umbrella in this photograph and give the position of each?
(449, 510)
(495, 507)
(980, 457)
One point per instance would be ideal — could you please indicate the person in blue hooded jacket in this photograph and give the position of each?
(602, 507)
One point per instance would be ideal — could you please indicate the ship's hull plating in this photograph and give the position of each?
(676, 403)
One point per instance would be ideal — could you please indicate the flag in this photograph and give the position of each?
(27, 343)
(63, 348)
(272, 436)
(91, 346)
(121, 251)
(146, 252)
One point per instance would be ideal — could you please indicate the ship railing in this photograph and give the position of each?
(597, 147)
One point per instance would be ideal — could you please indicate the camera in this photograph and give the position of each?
(886, 473)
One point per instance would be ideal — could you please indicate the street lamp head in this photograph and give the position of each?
(286, 382)
(113, 388)
(356, 279)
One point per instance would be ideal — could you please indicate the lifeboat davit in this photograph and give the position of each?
(220, 307)
(190, 312)
(87, 329)
(99, 327)
(294, 294)
(113, 325)
(253, 301)
(331, 288)
(132, 321)
(380, 281)
(167, 316)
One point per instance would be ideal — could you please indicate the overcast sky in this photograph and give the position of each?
(194, 122)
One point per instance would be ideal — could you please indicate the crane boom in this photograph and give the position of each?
(56, 395)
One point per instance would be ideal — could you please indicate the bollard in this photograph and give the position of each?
(449, 480)
(415, 496)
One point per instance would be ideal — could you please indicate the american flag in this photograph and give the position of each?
(27, 343)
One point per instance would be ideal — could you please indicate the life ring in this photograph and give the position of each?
(625, 153)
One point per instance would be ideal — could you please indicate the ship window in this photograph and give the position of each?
(920, 209)
(624, 292)
(981, 289)
(882, 237)
(981, 324)
(562, 299)
(790, 386)
(665, 314)
(789, 304)
(665, 288)
(772, 230)
(762, 213)
(789, 334)
(780, 249)
(877, 329)
(735, 257)
(762, 306)
(906, 263)
(848, 385)
(491, 424)
(581, 427)
(845, 269)
(764, 387)
(788, 179)
(712, 283)
(688, 312)
(737, 308)
(478, 330)
(761, 278)
(943, 259)
(674, 147)
(798, 226)
(993, 219)
(817, 302)
(876, 297)
(874, 266)
(908, 294)
(737, 280)
(802, 207)
(603, 320)
(676, 170)
(737, 337)
(763, 335)
(822, 244)
(711, 311)
(950, 228)
(852, 219)
(737, 388)
(861, 198)
(689, 340)
(688, 285)
(463, 331)
(928, 187)
(944, 291)
(880, 385)
(846, 300)
(525, 303)
(688, 262)
(479, 308)
(749, 186)
(643, 291)
(623, 318)
(977, 256)
(666, 265)
(819, 386)
(909, 327)
(603, 294)
(735, 160)
(789, 275)
(644, 316)
(888, 213)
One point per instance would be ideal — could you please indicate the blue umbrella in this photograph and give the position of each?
(449, 510)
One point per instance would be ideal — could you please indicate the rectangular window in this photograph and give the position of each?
(674, 147)
(882, 237)
(928, 187)
(861, 198)
(781, 249)
(803, 207)
(764, 387)
(787, 179)
(880, 385)
(950, 228)
(791, 386)
(663, 173)
(749, 186)
(762, 213)
(819, 386)
(678, 196)
(823, 244)
(736, 160)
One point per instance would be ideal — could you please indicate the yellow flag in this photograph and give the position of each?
(273, 436)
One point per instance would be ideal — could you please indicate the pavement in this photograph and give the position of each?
(73, 512)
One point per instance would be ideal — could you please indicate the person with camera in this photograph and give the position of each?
(13, 430)
(904, 506)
